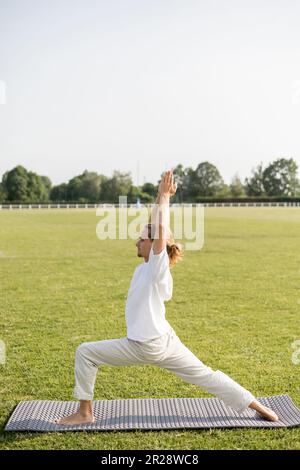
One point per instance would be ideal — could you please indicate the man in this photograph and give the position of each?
(150, 338)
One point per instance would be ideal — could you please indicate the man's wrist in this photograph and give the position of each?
(164, 197)
(164, 194)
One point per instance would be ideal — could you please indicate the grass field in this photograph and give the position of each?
(235, 304)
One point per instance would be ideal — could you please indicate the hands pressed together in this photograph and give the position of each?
(167, 186)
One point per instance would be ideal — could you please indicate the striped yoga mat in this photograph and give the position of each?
(151, 414)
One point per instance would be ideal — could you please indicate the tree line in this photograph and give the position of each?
(278, 179)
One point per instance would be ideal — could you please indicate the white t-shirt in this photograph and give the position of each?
(150, 287)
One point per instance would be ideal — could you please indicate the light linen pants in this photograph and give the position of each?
(166, 351)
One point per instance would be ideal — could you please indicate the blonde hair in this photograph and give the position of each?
(174, 250)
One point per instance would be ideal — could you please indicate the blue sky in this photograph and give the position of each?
(142, 86)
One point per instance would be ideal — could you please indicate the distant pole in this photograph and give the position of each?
(137, 173)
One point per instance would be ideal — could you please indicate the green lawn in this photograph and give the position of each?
(235, 305)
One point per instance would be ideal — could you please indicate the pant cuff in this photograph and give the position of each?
(80, 395)
(245, 405)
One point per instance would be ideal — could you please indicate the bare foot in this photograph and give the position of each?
(264, 411)
(76, 418)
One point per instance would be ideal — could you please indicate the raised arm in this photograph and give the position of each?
(160, 216)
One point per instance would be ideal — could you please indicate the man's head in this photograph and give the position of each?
(145, 240)
(144, 243)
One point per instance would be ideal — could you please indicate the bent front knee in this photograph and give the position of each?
(81, 350)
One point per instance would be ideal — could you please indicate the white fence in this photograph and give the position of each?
(95, 206)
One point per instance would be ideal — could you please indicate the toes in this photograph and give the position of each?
(59, 421)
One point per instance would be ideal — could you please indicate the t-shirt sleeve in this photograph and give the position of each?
(165, 286)
(158, 265)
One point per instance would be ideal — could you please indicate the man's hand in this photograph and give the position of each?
(167, 186)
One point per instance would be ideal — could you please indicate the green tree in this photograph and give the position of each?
(2, 193)
(280, 178)
(150, 189)
(254, 186)
(206, 180)
(36, 189)
(118, 185)
(47, 183)
(82, 188)
(224, 191)
(59, 193)
(91, 186)
(74, 189)
(181, 178)
(236, 187)
(15, 184)
(136, 192)
(24, 186)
